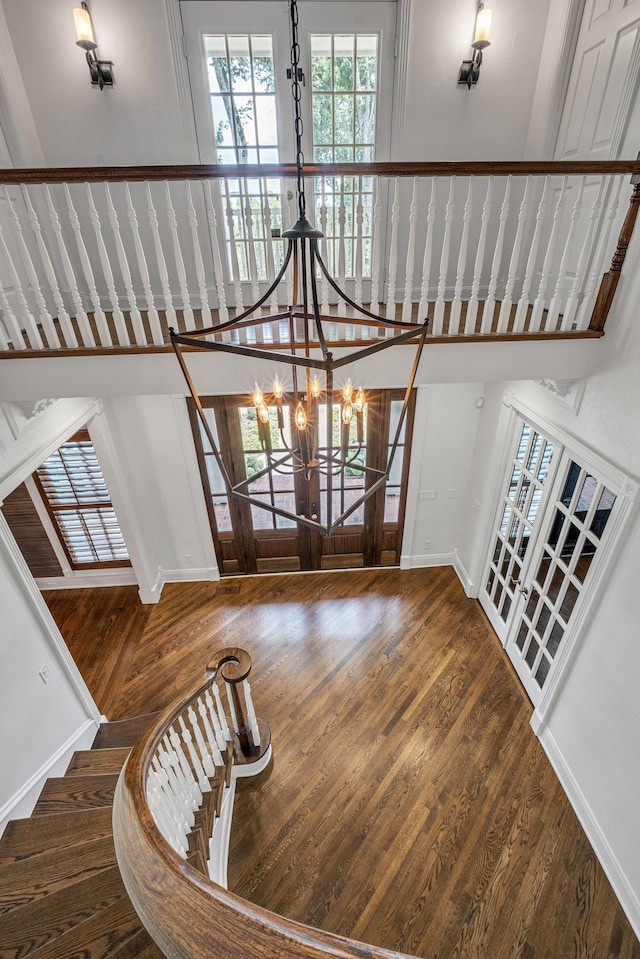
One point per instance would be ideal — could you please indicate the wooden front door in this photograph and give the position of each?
(252, 540)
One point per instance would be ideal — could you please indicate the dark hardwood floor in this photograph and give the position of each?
(408, 804)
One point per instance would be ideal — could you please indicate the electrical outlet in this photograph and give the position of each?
(427, 545)
(476, 505)
(451, 494)
(427, 494)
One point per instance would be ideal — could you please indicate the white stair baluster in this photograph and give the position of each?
(251, 243)
(123, 261)
(357, 249)
(540, 300)
(423, 306)
(205, 309)
(174, 800)
(81, 315)
(152, 312)
(63, 317)
(203, 752)
(187, 311)
(472, 305)
(438, 313)
(182, 767)
(11, 322)
(490, 302)
(176, 782)
(324, 247)
(221, 714)
(28, 321)
(556, 301)
(342, 215)
(586, 252)
(232, 708)
(100, 319)
(122, 335)
(597, 266)
(235, 268)
(4, 342)
(220, 737)
(251, 713)
(212, 747)
(376, 253)
(196, 761)
(268, 246)
(390, 311)
(507, 299)
(169, 310)
(411, 252)
(218, 271)
(45, 318)
(456, 305)
(523, 304)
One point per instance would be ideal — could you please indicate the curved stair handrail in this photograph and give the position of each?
(188, 914)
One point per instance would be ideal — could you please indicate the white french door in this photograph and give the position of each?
(556, 525)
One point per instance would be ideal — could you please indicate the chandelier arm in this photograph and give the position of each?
(358, 503)
(407, 397)
(381, 345)
(374, 316)
(242, 350)
(267, 469)
(221, 327)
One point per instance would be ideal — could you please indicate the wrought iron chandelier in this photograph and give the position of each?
(307, 446)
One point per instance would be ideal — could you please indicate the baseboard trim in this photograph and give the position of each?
(21, 804)
(90, 578)
(470, 588)
(425, 560)
(204, 574)
(623, 889)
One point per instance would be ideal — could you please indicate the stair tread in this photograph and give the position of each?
(36, 924)
(60, 794)
(97, 937)
(98, 761)
(28, 837)
(30, 879)
(123, 732)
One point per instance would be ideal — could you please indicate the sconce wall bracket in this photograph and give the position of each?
(101, 70)
(470, 69)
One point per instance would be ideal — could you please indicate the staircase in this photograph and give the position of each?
(61, 893)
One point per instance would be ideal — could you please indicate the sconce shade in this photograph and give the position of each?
(84, 29)
(483, 27)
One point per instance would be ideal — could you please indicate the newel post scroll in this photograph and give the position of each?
(234, 665)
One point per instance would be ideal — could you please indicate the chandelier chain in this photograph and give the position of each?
(297, 96)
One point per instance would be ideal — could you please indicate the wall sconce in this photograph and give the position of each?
(470, 69)
(100, 70)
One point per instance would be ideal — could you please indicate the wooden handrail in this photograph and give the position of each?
(188, 915)
(133, 174)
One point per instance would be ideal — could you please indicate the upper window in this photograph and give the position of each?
(77, 498)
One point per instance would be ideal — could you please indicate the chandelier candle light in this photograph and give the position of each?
(307, 447)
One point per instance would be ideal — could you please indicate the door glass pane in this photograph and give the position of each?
(532, 652)
(570, 485)
(603, 512)
(542, 671)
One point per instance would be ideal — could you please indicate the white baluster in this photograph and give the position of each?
(411, 252)
(208, 765)
(123, 261)
(98, 313)
(211, 737)
(44, 316)
(357, 252)
(187, 311)
(585, 253)
(28, 320)
(81, 316)
(597, 266)
(172, 801)
(423, 306)
(196, 761)
(268, 245)
(10, 321)
(376, 255)
(523, 304)
(342, 214)
(169, 310)
(472, 305)
(438, 313)
(540, 300)
(556, 300)
(251, 243)
(118, 316)
(456, 305)
(235, 268)
(176, 782)
(287, 222)
(390, 311)
(221, 714)
(324, 244)
(5, 343)
(181, 764)
(232, 708)
(489, 304)
(220, 738)
(218, 271)
(63, 317)
(205, 310)
(507, 299)
(251, 713)
(152, 312)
